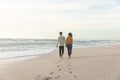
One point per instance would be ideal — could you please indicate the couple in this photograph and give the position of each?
(61, 42)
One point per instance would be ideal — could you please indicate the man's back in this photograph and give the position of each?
(61, 40)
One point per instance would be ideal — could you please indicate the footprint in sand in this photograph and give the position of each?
(38, 77)
(59, 69)
(58, 66)
(70, 72)
(75, 76)
(51, 73)
(69, 68)
(46, 78)
(57, 77)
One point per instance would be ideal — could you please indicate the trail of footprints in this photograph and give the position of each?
(54, 75)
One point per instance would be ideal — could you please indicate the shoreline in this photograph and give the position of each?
(85, 64)
(47, 52)
(19, 58)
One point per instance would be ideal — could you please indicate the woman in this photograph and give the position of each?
(69, 42)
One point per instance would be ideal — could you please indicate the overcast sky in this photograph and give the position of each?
(43, 19)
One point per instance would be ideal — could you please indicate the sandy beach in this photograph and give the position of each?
(100, 63)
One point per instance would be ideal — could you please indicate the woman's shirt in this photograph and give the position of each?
(69, 40)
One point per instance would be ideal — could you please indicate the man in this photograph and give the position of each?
(61, 43)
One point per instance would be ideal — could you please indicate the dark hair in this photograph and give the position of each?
(70, 34)
(60, 33)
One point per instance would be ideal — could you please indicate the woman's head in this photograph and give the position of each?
(70, 34)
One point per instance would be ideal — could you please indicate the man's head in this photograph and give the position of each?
(60, 33)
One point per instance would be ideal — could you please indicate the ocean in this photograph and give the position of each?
(12, 48)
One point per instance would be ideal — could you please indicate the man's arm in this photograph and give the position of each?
(57, 42)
